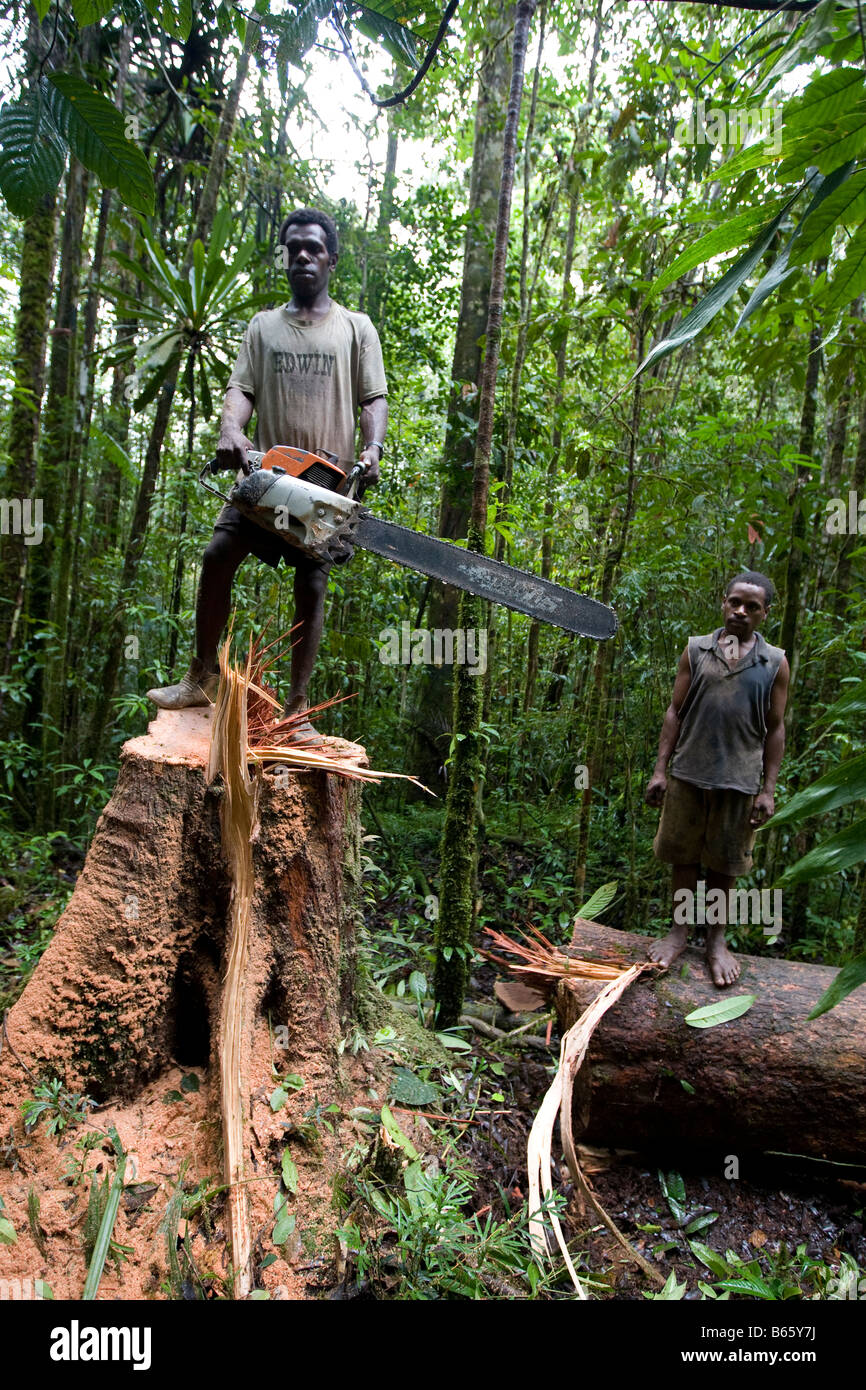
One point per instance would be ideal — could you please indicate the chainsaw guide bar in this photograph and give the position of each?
(489, 579)
(299, 496)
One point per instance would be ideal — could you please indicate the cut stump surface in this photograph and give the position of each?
(126, 999)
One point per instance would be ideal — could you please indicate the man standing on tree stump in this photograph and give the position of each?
(725, 731)
(308, 369)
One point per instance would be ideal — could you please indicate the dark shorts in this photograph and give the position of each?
(706, 825)
(261, 543)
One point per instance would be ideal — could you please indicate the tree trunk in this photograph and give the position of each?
(768, 1080)
(597, 699)
(378, 255)
(566, 298)
(45, 601)
(797, 713)
(31, 330)
(527, 291)
(147, 485)
(432, 698)
(127, 997)
(459, 831)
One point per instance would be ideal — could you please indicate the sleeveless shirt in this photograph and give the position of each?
(723, 719)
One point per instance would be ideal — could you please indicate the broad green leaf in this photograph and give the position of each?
(95, 132)
(725, 238)
(409, 1089)
(601, 899)
(671, 1292)
(422, 20)
(779, 270)
(42, 7)
(852, 702)
(701, 1223)
(177, 18)
(278, 1098)
(825, 98)
(285, 1222)
(850, 977)
(716, 1263)
(711, 1015)
(845, 203)
(395, 1132)
(755, 1287)
(297, 30)
(838, 787)
(90, 11)
(290, 1172)
(849, 276)
(825, 149)
(712, 303)
(7, 1232)
(32, 154)
(830, 857)
(674, 1190)
(418, 984)
(189, 1082)
(155, 380)
(115, 452)
(394, 37)
(752, 157)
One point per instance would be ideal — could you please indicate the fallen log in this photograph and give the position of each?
(766, 1081)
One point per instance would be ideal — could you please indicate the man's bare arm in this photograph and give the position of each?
(233, 443)
(774, 745)
(657, 785)
(374, 423)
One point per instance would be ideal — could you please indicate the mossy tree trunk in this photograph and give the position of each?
(459, 833)
(31, 332)
(432, 698)
(164, 402)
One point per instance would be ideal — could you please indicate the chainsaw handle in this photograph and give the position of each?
(353, 478)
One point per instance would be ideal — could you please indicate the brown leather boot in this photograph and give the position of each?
(197, 687)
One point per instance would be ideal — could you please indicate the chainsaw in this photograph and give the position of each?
(308, 501)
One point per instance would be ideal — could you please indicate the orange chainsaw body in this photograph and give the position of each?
(302, 463)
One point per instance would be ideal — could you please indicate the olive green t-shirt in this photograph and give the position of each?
(308, 378)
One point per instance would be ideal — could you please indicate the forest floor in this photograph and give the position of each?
(781, 1228)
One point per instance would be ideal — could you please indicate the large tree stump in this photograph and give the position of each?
(126, 999)
(768, 1080)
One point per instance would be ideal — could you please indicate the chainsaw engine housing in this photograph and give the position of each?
(315, 519)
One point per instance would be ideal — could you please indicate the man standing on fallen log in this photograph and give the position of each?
(724, 731)
(308, 369)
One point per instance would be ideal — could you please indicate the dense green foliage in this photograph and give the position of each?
(722, 455)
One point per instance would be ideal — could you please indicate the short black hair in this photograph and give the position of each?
(306, 217)
(760, 581)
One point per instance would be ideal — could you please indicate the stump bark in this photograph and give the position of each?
(126, 998)
(768, 1080)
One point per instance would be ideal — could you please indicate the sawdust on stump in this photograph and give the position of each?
(125, 1004)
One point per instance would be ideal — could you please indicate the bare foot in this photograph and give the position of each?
(724, 967)
(670, 946)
